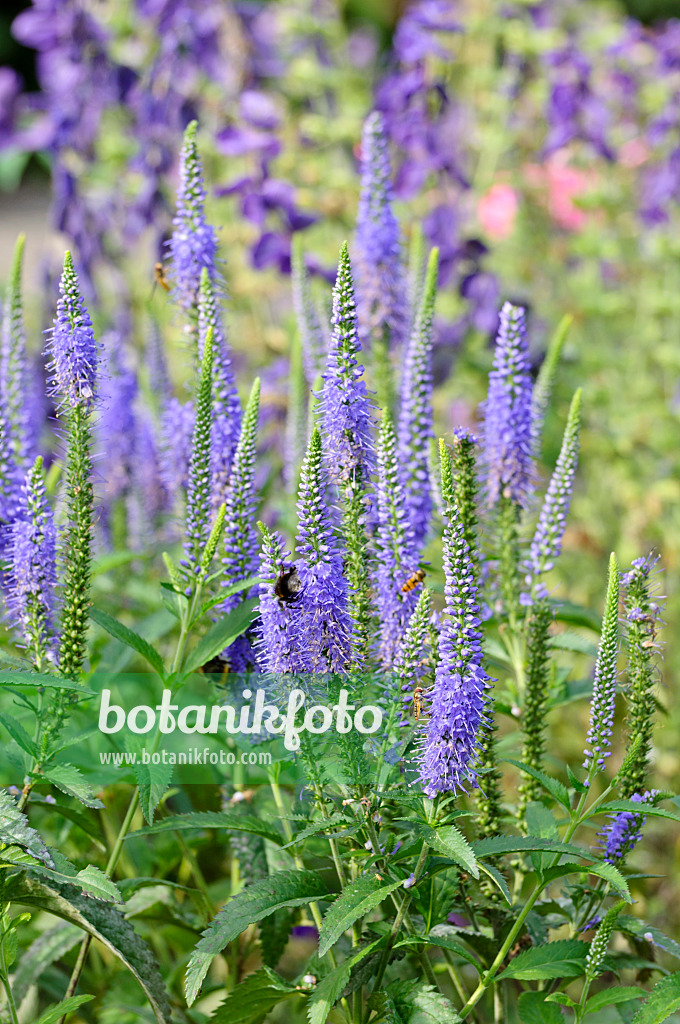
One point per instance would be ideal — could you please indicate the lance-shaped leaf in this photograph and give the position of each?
(212, 819)
(129, 638)
(221, 635)
(355, 900)
(328, 991)
(15, 830)
(563, 959)
(254, 998)
(661, 1002)
(284, 889)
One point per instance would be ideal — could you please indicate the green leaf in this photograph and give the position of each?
(79, 818)
(616, 806)
(497, 878)
(563, 959)
(19, 734)
(640, 929)
(69, 780)
(533, 1009)
(52, 945)
(556, 788)
(451, 842)
(441, 937)
(575, 782)
(104, 923)
(55, 1013)
(128, 637)
(221, 635)
(284, 889)
(315, 828)
(612, 996)
(235, 588)
(661, 1001)
(253, 998)
(421, 1004)
(15, 830)
(573, 642)
(212, 819)
(525, 844)
(610, 874)
(95, 883)
(153, 781)
(328, 991)
(355, 900)
(14, 677)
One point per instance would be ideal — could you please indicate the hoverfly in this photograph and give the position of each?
(159, 276)
(418, 702)
(288, 586)
(413, 581)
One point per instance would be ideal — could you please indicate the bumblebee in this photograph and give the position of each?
(413, 581)
(159, 276)
(418, 702)
(216, 667)
(288, 586)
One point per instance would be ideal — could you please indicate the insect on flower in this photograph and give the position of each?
(418, 702)
(413, 581)
(159, 277)
(288, 586)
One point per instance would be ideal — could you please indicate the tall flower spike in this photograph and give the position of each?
(465, 486)
(396, 550)
(309, 329)
(116, 427)
(413, 662)
(345, 406)
(416, 416)
(10, 481)
(624, 830)
(599, 739)
(193, 245)
(198, 489)
(226, 407)
(326, 623)
(177, 428)
(279, 641)
(72, 348)
(547, 541)
(382, 286)
(240, 540)
(14, 382)
(507, 413)
(449, 752)
(32, 577)
(642, 617)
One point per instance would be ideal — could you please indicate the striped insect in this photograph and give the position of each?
(413, 581)
(418, 702)
(159, 276)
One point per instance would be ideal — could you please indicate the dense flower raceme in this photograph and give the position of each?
(624, 830)
(599, 739)
(381, 280)
(193, 245)
(279, 645)
(72, 348)
(345, 405)
(326, 626)
(547, 540)
(117, 424)
(199, 482)
(15, 383)
(450, 747)
(507, 413)
(32, 576)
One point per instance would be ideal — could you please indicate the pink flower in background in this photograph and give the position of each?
(564, 185)
(497, 210)
(634, 152)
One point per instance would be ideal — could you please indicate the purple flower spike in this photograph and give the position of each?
(507, 413)
(116, 428)
(32, 577)
(381, 291)
(176, 432)
(449, 752)
(396, 548)
(345, 406)
(325, 625)
(624, 830)
(278, 644)
(72, 347)
(194, 243)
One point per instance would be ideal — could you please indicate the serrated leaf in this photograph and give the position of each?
(450, 841)
(128, 637)
(153, 781)
(563, 959)
(52, 945)
(14, 677)
(575, 782)
(572, 642)
(525, 844)
(221, 635)
(329, 990)
(55, 1013)
(234, 588)
(609, 872)
(284, 889)
(212, 819)
(661, 1002)
(18, 734)
(315, 828)
(498, 880)
(533, 1009)
(556, 788)
(104, 923)
(612, 996)
(69, 780)
(439, 936)
(15, 830)
(355, 900)
(617, 806)
(640, 929)
(254, 997)
(423, 1004)
(95, 883)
